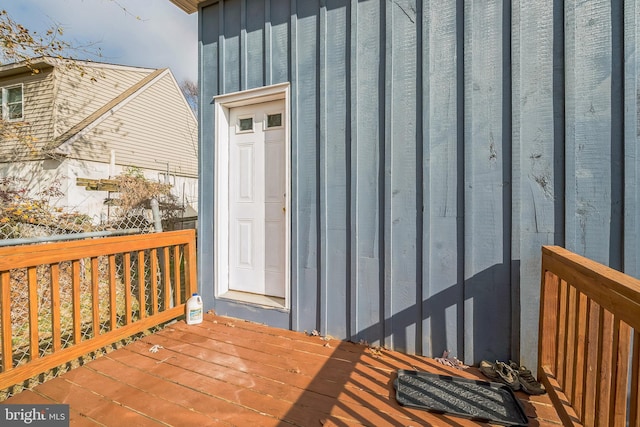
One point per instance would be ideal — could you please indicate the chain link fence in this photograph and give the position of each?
(26, 227)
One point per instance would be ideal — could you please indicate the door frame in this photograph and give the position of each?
(222, 106)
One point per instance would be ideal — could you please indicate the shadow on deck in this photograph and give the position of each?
(230, 372)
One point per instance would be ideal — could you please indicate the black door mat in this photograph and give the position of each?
(474, 399)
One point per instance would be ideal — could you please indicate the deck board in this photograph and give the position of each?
(229, 372)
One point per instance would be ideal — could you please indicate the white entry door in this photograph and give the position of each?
(257, 199)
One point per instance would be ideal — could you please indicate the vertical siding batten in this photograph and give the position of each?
(295, 199)
(323, 244)
(267, 43)
(243, 50)
(221, 49)
(386, 53)
(352, 99)
(616, 125)
(423, 169)
(631, 220)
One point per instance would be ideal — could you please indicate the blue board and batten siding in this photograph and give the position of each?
(435, 147)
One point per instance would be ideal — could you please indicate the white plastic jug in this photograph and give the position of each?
(194, 310)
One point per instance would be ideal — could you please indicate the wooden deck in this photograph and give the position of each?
(229, 372)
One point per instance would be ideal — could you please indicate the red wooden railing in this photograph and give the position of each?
(589, 346)
(59, 301)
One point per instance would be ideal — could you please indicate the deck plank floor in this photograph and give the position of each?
(229, 372)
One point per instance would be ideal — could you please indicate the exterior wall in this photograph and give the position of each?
(82, 91)
(38, 90)
(39, 175)
(436, 145)
(156, 130)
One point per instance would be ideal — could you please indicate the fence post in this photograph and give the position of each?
(157, 221)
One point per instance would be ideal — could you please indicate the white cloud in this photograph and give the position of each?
(145, 33)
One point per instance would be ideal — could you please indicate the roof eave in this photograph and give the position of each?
(189, 6)
(7, 70)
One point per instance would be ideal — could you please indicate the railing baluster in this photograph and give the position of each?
(153, 261)
(7, 334)
(600, 372)
(141, 280)
(619, 373)
(32, 280)
(571, 344)
(56, 331)
(577, 386)
(176, 273)
(75, 298)
(591, 352)
(128, 304)
(95, 296)
(113, 308)
(563, 328)
(166, 277)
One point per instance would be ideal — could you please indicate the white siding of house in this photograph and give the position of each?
(39, 175)
(37, 104)
(147, 133)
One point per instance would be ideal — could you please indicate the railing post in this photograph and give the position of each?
(190, 267)
(5, 322)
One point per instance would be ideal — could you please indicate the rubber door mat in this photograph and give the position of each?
(473, 399)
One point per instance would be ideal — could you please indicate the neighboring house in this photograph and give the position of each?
(76, 121)
(430, 150)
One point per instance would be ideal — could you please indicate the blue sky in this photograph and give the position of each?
(144, 33)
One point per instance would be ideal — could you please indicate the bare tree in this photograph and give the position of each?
(190, 91)
(19, 44)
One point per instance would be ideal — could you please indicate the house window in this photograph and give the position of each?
(274, 121)
(245, 124)
(11, 106)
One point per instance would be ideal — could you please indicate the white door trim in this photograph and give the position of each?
(222, 106)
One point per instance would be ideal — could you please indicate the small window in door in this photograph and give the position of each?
(273, 121)
(244, 125)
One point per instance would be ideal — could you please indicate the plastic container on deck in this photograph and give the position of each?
(194, 310)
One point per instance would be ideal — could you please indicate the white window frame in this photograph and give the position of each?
(266, 120)
(253, 123)
(5, 105)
